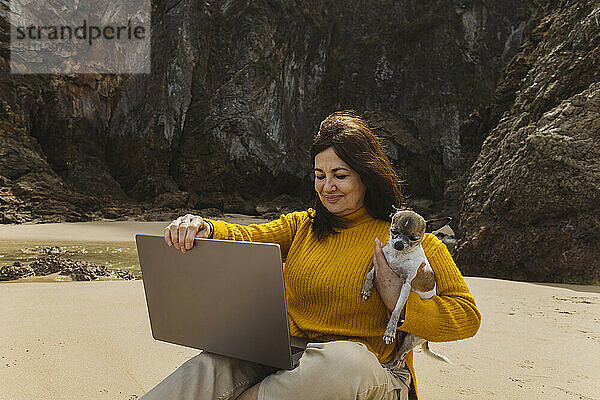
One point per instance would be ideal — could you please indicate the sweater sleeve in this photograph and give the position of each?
(450, 315)
(280, 231)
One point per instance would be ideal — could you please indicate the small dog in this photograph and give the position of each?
(405, 256)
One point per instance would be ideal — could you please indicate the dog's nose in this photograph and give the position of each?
(399, 245)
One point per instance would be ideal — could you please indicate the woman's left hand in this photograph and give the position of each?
(387, 283)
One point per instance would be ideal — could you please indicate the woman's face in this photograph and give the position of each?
(339, 187)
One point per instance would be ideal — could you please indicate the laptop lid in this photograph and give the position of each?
(222, 296)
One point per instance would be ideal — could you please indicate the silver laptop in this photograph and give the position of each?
(221, 296)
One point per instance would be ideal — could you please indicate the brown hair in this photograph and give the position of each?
(354, 142)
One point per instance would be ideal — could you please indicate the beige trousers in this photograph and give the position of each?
(331, 370)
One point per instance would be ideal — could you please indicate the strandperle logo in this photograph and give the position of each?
(62, 36)
(83, 32)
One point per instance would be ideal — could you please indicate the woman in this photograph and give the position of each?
(328, 251)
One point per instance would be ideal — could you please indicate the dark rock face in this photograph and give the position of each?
(531, 209)
(30, 188)
(236, 93)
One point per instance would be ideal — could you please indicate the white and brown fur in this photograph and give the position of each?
(405, 256)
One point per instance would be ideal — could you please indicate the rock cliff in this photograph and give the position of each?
(531, 208)
(237, 91)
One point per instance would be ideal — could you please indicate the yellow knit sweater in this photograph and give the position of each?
(323, 281)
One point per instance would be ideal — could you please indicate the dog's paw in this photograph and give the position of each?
(365, 294)
(366, 290)
(389, 337)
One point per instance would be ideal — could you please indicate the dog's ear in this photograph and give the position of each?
(435, 224)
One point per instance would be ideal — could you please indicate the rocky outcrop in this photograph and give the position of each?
(236, 93)
(14, 271)
(531, 209)
(51, 264)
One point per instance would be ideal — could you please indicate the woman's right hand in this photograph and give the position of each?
(182, 231)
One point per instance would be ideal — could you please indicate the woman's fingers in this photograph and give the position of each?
(386, 281)
(182, 231)
(174, 232)
(203, 230)
(167, 235)
(194, 225)
(378, 257)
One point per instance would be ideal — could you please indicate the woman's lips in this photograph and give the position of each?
(333, 199)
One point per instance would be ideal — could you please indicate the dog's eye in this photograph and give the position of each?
(414, 238)
(393, 231)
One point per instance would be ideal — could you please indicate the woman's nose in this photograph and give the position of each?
(329, 185)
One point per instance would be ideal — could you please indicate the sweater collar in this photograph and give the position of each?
(357, 217)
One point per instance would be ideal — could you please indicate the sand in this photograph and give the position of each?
(104, 231)
(79, 340)
(92, 340)
(536, 341)
(98, 231)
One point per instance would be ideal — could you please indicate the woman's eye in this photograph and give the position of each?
(337, 177)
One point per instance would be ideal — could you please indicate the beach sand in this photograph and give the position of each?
(92, 340)
(99, 231)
